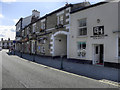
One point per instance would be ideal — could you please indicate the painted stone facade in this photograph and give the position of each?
(6, 44)
(48, 35)
(94, 33)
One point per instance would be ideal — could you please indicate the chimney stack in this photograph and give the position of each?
(35, 13)
(1, 39)
(8, 39)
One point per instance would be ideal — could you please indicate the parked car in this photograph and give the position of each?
(0, 48)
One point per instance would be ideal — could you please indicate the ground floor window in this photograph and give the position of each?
(81, 49)
(42, 49)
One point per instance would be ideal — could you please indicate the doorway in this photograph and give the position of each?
(60, 45)
(98, 54)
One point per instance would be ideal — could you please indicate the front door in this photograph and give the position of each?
(98, 54)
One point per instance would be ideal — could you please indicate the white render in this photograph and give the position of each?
(108, 15)
(59, 47)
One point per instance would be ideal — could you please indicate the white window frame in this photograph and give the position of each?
(60, 19)
(27, 30)
(81, 27)
(81, 52)
(34, 27)
(43, 25)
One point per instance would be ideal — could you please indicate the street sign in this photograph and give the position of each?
(14, 41)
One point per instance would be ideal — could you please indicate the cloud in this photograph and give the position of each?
(13, 30)
(69, 1)
(1, 16)
(1, 35)
(15, 20)
(8, 0)
(7, 32)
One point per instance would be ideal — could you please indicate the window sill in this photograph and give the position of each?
(81, 57)
(82, 36)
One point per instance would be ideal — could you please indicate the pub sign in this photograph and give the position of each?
(98, 30)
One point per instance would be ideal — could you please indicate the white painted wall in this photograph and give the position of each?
(60, 47)
(108, 14)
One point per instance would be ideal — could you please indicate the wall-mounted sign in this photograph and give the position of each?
(98, 30)
(14, 41)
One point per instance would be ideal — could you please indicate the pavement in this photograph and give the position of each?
(21, 73)
(91, 71)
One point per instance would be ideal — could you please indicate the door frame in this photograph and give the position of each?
(94, 51)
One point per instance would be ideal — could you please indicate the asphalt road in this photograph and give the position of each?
(20, 73)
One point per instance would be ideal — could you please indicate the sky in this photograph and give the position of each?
(12, 10)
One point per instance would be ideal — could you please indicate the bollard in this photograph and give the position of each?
(61, 62)
(34, 58)
(21, 55)
(14, 52)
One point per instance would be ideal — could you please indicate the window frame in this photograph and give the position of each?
(34, 27)
(43, 25)
(81, 50)
(60, 20)
(82, 32)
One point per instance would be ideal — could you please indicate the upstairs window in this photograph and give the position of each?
(27, 30)
(34, 27)
(60, 19)
(23, 33)
(82, 29)
(43, 25)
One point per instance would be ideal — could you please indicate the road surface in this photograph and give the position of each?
(20, 73)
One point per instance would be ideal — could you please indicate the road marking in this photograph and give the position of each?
(102, 81)
(110, 82)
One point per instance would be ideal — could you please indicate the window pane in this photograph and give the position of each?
(84, 45)
(83, 31)
(82, 22)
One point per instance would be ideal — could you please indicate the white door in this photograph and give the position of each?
(96, 54)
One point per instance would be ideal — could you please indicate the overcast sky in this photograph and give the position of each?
(12, 10)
